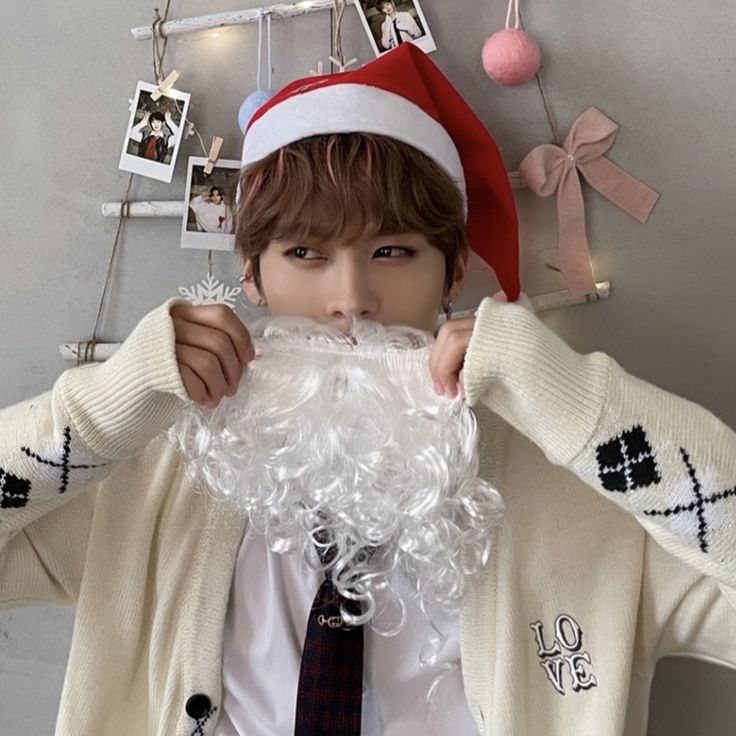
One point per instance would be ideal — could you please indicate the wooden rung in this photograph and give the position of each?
(144, 209)
(234, 18)
(176, 208)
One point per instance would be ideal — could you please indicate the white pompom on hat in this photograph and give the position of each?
(404, 95)
(522, 301)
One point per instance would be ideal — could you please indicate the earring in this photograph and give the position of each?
(448, 311)
(241, 279)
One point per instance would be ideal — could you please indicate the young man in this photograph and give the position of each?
(618, 544)
(211, 211)
(155, 144)
(397, 28)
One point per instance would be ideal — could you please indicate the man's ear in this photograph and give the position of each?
(461, 272)
(249, 285)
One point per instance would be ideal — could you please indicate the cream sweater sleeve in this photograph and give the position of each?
(668, 461)
(60, 444)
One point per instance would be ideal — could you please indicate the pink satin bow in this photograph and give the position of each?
(548, 169)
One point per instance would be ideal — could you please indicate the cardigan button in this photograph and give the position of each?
(198, 706)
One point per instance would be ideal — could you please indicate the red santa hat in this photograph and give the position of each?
(402, 94)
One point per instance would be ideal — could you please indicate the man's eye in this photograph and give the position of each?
(387, 249)
(300, 252)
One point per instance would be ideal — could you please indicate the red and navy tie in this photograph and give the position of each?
(330, 694)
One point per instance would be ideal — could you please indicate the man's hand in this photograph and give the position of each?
(212, 349)
(448, 356)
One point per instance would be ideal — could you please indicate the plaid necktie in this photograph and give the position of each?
(330, 694)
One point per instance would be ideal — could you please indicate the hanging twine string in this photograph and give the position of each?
(158, 70)
(547, 110)
(87, 354)
(89, 347)
(158, 62)
(159, 52)
(337, 30)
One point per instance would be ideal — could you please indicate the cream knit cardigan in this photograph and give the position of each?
(618, 546)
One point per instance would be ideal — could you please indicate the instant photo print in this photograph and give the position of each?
(390, 23)
(154, 132)
(208, 218)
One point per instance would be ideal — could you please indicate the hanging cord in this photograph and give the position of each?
(515, 5)
(87, 355)
(89, 347)
(158, 63)
(260, 46)
(337, 14)
(270, 63)
(547, 110)
(158, 70)
(261, 13)
(206, 154)
(158, 52)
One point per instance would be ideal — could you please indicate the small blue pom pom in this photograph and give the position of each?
(251, 104)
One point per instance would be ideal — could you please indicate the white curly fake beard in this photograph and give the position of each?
(346, 434)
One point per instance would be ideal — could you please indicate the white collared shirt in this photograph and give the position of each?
(267, 615)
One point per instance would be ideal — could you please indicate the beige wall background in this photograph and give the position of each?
(663, 70)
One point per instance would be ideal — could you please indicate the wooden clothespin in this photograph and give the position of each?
(213, 155)
(165, 86)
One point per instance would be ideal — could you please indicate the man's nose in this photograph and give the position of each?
(351, 296)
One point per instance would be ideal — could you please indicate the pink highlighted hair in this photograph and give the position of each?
(346, 186)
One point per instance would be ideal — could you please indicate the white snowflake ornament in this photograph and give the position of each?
(342, 67)
(211, 291)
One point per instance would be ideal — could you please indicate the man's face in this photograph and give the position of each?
(391, 279)
(216, 197)
(156, 124)
(386, 8)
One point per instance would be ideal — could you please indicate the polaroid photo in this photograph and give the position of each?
(154, 134)
(208, 221)
(389, 23)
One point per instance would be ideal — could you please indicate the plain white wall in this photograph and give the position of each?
(663, 71)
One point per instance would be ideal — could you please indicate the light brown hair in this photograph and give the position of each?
(348, 186)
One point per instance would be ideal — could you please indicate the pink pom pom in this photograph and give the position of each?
(511, 57)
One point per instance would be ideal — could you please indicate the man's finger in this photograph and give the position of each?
(216, 342)
(221, 317)
(449, 358)
(206, 367)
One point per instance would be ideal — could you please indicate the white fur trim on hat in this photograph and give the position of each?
(352, 108)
